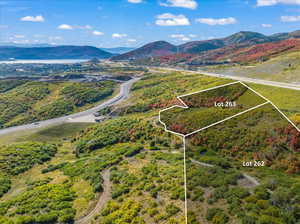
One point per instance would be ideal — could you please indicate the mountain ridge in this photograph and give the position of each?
(220, 46)
(57, 52)
(153, 49)
(239, 40)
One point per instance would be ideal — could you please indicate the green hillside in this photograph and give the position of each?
(129, 158)
(225, 190)
(283, 68)
(25, 102)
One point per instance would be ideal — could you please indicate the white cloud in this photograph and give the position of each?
(192, 35)
(55, 38)
(186, 39)
(38, 18)
(38, 35)
(264, 25)
(132, 40)
(181, 37)
(65, 27)
(190, 4)
(73, 27)
(118, 35)
(168, 19)
(21, 41)
(19, 36)
(135, 1)
(86, 27)
(177, 36)
(213, 22)
(275, 2)
(288, 19)
(97, 33)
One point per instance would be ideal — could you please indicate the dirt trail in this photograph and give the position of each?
(103, 199)
(246, 176)
(201, 163)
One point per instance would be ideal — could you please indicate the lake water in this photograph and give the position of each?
(55, 61)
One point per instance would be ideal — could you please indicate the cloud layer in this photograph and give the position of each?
(189, 4)
(38, 18)
(135, 1)
(264, 25)
(97, 33)
(213, 22)
(118, 35)
(181, 37)
(65, 27)
(289, 19)
(275, 2)
(168, 19)
(71, 27)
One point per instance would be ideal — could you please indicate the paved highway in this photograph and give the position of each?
(123, 94)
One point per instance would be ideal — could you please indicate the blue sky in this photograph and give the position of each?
(112, 23)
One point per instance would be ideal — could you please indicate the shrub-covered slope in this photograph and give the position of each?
(33, 101)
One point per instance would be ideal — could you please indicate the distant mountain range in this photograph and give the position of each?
(58, 52)
(240, 47)
(113, 50)
(215, 50)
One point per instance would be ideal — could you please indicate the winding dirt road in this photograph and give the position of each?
(103, 199)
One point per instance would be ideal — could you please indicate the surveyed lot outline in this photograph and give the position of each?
(185, 106)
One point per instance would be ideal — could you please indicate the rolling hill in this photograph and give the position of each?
(254, 53)
(234, 54)
(243, 38)
(158, 48)
(216, 49)
(59, 52)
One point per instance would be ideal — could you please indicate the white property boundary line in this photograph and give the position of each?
(186, 106)
(211, 125)
(228, 118)
(289, 120)
(185, 180)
